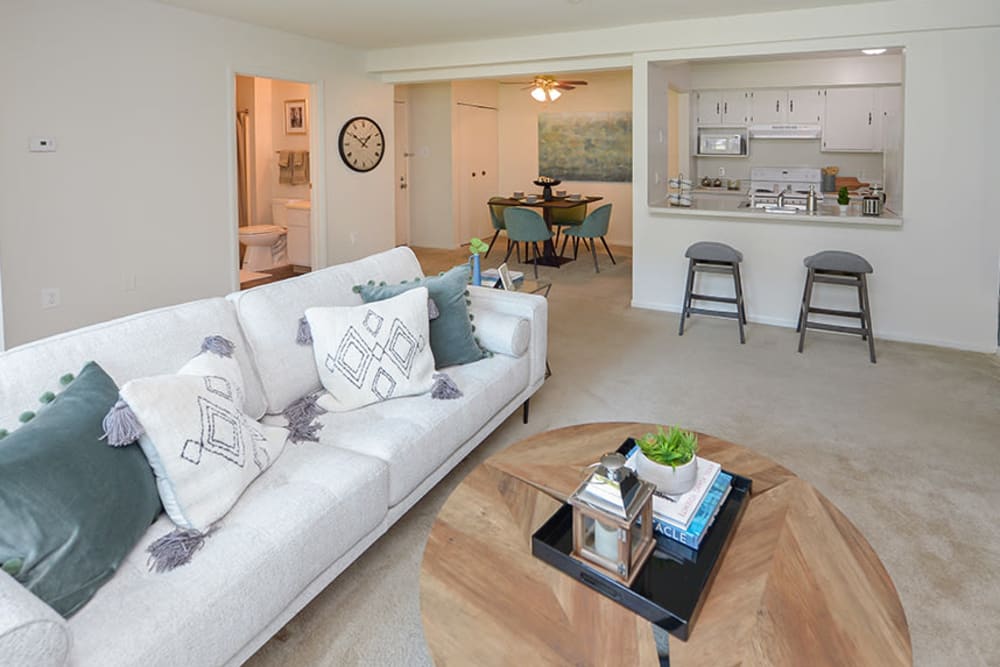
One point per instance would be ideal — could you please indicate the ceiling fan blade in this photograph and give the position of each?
(563, 86)
(575, 83)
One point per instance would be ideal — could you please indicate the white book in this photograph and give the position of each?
(679, 510)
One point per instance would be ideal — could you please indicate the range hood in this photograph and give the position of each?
(785, 131)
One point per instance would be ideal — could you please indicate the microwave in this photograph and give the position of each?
(722, 143)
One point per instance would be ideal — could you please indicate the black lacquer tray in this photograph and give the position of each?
(671, 587)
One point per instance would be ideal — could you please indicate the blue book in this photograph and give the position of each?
(703, 518)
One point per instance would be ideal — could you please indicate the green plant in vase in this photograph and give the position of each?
(477, 246)
(669, 459)
(843, 197)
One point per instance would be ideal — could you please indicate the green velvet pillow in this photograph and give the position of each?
(71, 507)
(452, 338)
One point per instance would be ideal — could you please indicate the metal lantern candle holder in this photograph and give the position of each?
(613, 519)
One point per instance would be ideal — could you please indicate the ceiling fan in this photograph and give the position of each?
(547, 88)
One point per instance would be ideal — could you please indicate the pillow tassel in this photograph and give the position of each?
(301, 417)
(432, 309)
(444, 387)
(121, 426)
(304, 335)
(176, 548)
(218, 345)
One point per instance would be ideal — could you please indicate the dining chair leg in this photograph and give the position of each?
(804, 315)
(609, 250)
(687, 296)
(491, 244)
(510, 249)
(576, 246)
(563, 249)
(593, 251)
(534, 248)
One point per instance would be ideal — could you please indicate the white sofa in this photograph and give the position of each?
(307, 517)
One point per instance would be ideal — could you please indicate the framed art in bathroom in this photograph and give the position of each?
(296, 117)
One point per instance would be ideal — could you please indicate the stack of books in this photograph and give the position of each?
(685, 519)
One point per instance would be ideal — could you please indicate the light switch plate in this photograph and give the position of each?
(42, 145)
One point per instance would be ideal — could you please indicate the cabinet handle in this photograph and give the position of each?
(725, 107)
(484, 173)
(717, 108)
(473, 174)
(869, 117)
(791, 106)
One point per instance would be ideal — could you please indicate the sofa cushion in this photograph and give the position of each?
(201, 446)
(452, 336)
(296, 520)
(148, 343)
(270, 317)
(31, 633)
(71, 507)
(374, 352)
(415, 435)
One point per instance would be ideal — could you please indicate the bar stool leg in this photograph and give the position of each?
(804, 314)
(739, 295)
(740, 319)
(802, 306)
(687, 296)
(861, 307)
(866, 310)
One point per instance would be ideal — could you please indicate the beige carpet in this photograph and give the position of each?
(907, 448)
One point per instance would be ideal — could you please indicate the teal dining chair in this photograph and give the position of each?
(527, 226)
(496, 218)
(567, 217)
(594, 227)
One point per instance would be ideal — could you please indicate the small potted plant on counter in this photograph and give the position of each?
(843, 199)
(668, 460)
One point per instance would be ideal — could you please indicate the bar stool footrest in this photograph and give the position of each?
(717, 313)
(835, 327)
(717, 299)
(839, 313)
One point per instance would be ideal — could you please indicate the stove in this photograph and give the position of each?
(767, 182)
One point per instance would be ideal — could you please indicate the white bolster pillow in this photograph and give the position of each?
(31, 633)
(500, 333)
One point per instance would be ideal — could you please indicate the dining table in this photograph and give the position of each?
(549, 255)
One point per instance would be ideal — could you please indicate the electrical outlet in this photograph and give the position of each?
(41, 145)
(50, 297)
(722, 171)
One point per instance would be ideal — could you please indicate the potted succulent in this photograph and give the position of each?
(843, 199)
(667, 459)
(477, 246)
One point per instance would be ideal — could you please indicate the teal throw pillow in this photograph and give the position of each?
(453, 340)
(71, 507)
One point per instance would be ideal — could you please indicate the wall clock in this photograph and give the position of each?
(361, 143)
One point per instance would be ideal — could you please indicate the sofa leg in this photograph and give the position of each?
(526, 402)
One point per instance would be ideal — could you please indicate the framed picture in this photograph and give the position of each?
(296, 117)
(505, 280)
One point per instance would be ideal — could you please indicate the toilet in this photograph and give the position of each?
(266, 246)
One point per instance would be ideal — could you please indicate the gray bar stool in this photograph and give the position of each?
(713, 257)
(838, 268)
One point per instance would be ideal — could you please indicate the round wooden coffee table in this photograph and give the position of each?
(798, 585)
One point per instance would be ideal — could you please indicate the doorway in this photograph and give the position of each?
(274, 173)
(402, 149)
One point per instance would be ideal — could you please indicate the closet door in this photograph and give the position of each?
(478, 164)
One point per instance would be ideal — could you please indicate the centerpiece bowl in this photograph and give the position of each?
(546, 183)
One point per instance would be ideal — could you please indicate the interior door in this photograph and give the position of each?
(401, 145)
(477, 148)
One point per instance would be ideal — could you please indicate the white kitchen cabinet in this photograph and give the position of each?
(805, 105)
(721, 107)
(781, 105)
(851, 120)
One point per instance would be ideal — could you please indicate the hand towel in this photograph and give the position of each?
(300, 168)
(285, 167)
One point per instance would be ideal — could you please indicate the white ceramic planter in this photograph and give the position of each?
(671, 481)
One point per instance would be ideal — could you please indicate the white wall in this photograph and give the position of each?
(936, 278)
(606, 91)
(139, 97)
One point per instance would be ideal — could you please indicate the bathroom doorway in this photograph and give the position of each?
(274, 174)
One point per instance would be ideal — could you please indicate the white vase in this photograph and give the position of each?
(843, 208)
(668, 480)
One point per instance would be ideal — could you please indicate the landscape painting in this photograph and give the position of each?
(586, 146)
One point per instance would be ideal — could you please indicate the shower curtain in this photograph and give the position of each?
(243, 185)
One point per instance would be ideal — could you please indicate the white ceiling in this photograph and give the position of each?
(373, 24)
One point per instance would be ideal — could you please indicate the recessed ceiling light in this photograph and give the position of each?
(873, 52)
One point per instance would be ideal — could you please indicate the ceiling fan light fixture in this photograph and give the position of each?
(554, 94)
(538, 93)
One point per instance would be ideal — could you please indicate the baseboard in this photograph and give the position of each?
(879, 333)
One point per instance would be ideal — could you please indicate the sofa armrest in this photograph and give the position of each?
(531, 307)
(31, 633)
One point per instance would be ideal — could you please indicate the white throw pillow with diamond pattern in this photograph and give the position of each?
(374, 352)
(204, 450)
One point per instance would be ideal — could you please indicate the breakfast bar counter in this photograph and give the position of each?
(727, 206)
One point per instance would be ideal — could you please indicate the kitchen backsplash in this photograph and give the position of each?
(866, 167)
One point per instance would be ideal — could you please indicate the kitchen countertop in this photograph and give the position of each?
(721, 204)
